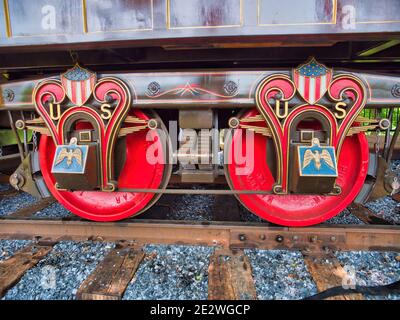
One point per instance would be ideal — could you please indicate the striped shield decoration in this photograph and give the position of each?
(78, 84)
(312, 79)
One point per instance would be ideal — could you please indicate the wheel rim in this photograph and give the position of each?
(136, 173)
(297, 210)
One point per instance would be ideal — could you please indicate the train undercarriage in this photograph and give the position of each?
(291, 145)
(295, 119)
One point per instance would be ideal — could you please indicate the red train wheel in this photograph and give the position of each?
(111, 206)
(297, 210)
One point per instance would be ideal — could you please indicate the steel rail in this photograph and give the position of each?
(232, 235)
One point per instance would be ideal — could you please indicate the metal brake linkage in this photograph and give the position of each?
(194, 191)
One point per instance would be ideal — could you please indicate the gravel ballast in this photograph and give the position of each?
(280, 275)
(372, 268)
(386, 208)
(56, 210)
(11, 204)
(171, 272)
(60, 273)
(9, 247)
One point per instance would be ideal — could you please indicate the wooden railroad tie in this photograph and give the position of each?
(396, 197)
(32, 209)
(366, 215)
(112, 276)
(12, 269)
(230, 277)
(327, 273)
(8, 193)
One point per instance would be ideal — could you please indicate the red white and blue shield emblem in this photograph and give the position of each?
(78, 84)
(312, 80)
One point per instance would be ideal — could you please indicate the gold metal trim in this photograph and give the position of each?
(88, 137)
(9, 28)
(265, 131)
(86, 28)
(333, 20)
(7, 18)
(302, 132)
(168, 18)
(84, 17)
(377, 21)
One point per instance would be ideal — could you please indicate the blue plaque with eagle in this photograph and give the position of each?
(317, 160)
(70, 158)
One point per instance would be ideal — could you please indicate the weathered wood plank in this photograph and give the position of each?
(327, 273)
(111, 277)
(8, 193)
(12, 269)
(32, 209)
(230, 277)
(366, 215)
(396, 197)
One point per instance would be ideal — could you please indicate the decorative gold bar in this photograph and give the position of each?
(41, 130)
(256, 118)
(354, 130)
(35, 121)
(125, 131)
(262, 130)
(131, 119)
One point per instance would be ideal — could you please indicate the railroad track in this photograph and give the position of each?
(230, 270)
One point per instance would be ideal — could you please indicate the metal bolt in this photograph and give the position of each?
(384, 124)
(307, 250)
(242, 237)
(262, 236)
(295, 238)
(333, 238)
(233, 122)
(313, 239)
(152, 124)
(279, 238)
(20, 124)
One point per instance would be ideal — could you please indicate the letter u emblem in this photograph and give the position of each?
(278, 109)
(52, 116)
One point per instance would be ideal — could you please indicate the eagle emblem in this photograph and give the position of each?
(317, 157)
(70, 158)
(323, 158)
(70, 154)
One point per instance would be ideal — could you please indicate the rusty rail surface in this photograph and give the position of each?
(230, 235)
